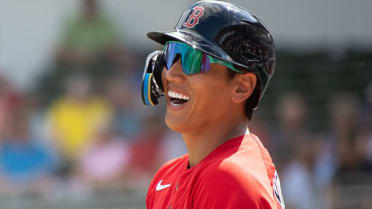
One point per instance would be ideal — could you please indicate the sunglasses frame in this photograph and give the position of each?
(203, 63)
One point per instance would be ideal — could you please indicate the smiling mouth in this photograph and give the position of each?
(177, 98)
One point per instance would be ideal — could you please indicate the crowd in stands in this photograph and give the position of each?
(314, 165)
(83, 125)
(85, 128)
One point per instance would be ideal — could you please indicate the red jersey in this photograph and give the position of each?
(237, 174)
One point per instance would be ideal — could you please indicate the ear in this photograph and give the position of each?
(245, 84)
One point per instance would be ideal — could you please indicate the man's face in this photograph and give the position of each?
(206, 97)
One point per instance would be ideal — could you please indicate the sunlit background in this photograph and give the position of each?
(75, 134)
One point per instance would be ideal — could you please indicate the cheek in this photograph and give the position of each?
(163, 75)
(212, 95)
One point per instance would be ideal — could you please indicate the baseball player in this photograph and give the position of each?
(213, 70)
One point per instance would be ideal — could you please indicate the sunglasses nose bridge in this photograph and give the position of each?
(175, 72)
(174, 59)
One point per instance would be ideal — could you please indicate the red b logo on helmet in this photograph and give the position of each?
(194, 17)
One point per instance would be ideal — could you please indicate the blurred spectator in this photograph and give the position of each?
(340, 156)
(291, 131)
(10, 102)
(104, 162)
(126, 117)
(75, 116)
(301, 190)
(368, 107)
(25, 161)
(89, 35)
(146, 151)
(368, 122)
(350, 157)
(343, 161)
(90, 45)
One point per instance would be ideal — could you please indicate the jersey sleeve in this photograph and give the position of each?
(226, 188)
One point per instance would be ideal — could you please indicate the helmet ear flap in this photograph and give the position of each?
(152, 86)
(159, 64)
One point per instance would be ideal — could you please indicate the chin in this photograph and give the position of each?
(175, 124)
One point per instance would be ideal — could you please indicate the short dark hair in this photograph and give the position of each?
(252, 101)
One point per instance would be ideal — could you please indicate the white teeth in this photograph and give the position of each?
(177, 95)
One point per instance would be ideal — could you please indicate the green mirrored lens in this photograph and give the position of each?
(191, 61)
(190, 57)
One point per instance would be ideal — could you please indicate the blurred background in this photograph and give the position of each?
(75, 134)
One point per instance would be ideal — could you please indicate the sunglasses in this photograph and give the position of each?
(192, 60)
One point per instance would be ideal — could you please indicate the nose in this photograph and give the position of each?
(175, 73)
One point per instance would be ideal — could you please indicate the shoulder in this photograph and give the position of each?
(236, 176)
(230, 186)
(243, 178)
(251, 162)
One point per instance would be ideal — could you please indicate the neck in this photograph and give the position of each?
(200, 143)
